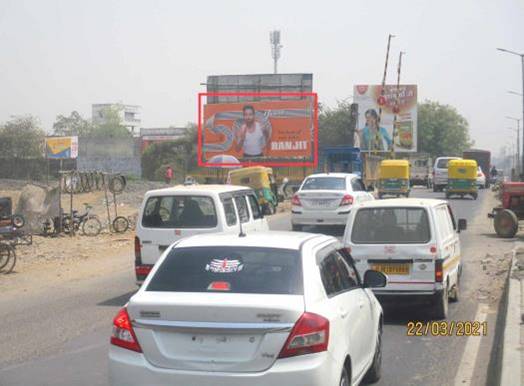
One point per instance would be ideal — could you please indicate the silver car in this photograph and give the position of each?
(327, 199)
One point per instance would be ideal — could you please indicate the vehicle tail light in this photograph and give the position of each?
(439, 273)
(138, 251)
(143, 270)
(433, 249)
(479, 174)
(346, 200)
(295, 200)
(123, 334)
(219, 286)
(309, 335)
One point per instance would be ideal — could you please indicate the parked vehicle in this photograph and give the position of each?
(170, 214)
(269, 308)
(394, 178)
(413, 241)
(507, 216)
(483, 158)
(262, 181)
(326, 199)
(462, 178)
(421, 170)
(481, 178)
(440, 173)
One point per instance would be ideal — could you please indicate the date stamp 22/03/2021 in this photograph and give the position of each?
(447, 328)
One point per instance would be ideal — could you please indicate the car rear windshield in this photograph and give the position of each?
(252, 270)
(391, 226)
(324, 183)
(443, 163)
(179, 212)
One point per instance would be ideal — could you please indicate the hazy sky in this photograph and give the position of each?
(59, 56)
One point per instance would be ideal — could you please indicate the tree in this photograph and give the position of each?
(442, 130)
(74, 124)
(111, 124)
(21, 137)
(334, 124)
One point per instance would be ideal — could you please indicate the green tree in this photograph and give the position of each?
(442, 130)
(111, 125)
(21, 137)
(334, 124)
(74, 124)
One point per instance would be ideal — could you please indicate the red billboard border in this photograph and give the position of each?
(251, 163)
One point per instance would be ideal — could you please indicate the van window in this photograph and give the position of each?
(444, 223)
(229, 209)
(391, 225)
(179, 212)
(443, 163)
(243, 212)
(252, 270)
(253, 203)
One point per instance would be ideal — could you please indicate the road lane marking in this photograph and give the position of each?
(469, 358)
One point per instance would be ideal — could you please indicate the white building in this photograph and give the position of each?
(129, 115)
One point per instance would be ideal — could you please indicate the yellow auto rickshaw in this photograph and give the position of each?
(462, 178)
(393, 178)
(262, 181)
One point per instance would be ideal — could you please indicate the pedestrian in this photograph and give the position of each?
(493, 172)
(169, 175)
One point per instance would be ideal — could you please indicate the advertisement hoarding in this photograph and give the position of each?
(374, 134)
(268, 132)
(61, 147)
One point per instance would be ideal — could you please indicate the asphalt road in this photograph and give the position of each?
(60, 337)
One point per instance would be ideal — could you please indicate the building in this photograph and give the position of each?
(129, 115)
(149, 136)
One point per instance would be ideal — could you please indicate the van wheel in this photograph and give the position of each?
(375, 371)
(441, 304)
(455, 293)
(344, 378)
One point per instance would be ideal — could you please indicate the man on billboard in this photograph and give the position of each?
(373, 136)
(252, 139)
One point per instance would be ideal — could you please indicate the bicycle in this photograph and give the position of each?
(89, 223)
(7, 258)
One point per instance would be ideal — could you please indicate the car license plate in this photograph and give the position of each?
(322, 203)
(392, 269)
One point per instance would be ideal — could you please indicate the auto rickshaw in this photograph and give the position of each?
(462, 178)
(393, 178)
(260, 179)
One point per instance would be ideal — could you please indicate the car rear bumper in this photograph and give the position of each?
(319, 217)
(128, 368)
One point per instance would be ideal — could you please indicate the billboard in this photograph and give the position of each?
(268, 132)
(374, 133)
(61, 147)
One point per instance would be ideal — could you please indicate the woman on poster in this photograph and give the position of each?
(372, 136)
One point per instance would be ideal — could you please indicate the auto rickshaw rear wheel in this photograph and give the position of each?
(506, 223)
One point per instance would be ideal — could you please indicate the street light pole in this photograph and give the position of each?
(519, 168)
(522, 64)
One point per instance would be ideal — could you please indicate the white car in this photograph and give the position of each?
(266, 308)
(170, 214)
(415, 242)
(481, 178)
(327, 199)
(440, 173)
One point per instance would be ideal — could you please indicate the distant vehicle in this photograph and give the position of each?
(440, 173)
(190, 180)
(415, 242)
(394, 178)
(481, 178)
(483, 158)
(270, 308)
(420, 170)
(462, 178)
(326, 199)
(507, 216)
(262, 180)
(170, 214)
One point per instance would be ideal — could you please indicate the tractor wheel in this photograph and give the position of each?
(506, 224)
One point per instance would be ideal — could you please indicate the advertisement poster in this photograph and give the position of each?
(374, 132)
(61, 147)
(266, 132)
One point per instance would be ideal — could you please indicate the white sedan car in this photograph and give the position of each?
(481, 178)
(326, 199)
(269, 308)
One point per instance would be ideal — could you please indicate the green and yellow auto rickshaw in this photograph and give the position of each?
(462, 178)
(262, 181)
(393, 178)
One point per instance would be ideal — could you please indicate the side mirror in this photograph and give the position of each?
(462, 224)
(374, 279)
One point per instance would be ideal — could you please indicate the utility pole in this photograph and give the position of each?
(396, 109)
(274, 39)
(382, 99)
(522, 65)
(519, 168)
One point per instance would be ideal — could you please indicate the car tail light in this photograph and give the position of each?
(346, 200)
(295, 200)
(439, 273)
(123, 334)
(138, 251)
(309, 335)
(433, 249)
(219, 286)
(143, 270)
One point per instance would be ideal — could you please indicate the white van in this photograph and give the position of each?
(167, 215)
(414, 242)
(440, 173)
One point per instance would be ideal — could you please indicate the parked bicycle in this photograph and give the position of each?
(7, 258)
(88, 223)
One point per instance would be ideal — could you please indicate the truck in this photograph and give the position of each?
(483, 158)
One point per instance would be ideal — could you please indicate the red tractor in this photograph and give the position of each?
(506, 217)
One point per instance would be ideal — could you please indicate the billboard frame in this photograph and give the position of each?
(313, 163)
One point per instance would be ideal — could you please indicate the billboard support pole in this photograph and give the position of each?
(382, 91)
(397, 104)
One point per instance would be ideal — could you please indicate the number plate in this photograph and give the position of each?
(392, 269)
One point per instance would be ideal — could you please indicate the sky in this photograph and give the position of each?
(60, 56)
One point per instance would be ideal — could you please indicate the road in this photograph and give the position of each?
(58, 335)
